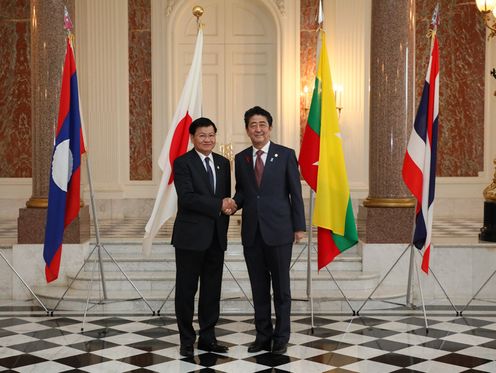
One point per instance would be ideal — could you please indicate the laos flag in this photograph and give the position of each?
(65, 175)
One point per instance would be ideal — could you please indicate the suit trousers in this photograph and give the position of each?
(266, 263)
(206, 266)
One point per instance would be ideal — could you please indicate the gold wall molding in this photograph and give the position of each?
(42, 203)
(389, 202)
(37, 203)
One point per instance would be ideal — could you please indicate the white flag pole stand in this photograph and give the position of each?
(98, 248)
(408, 298)
(477, 293)
(24, 283)
(309, 246)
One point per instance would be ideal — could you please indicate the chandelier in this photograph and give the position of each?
(488, 10)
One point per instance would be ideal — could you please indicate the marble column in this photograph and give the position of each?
(389, 208)
(47, 57)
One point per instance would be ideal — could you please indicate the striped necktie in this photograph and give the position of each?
(259, 167)
(210, 174)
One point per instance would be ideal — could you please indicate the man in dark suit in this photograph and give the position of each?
(268, 189)
(203, 184)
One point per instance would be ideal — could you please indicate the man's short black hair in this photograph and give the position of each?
(201, 122)
(257, 110)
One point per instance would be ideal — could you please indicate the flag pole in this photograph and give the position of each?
(409, 295)
(308, 161)
(198, 13)
(309, 259)
(421, 297)
(97, 228)
(477, 293)
(98, 245)
(409, 303)
(24, 283)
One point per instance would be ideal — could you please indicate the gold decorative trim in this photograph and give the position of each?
(198, 11)
(42, 203)
(389, 202)
(489, 192)
(37, 203)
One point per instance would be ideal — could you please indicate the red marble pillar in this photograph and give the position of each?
(140, 90)
(389, 207)
(308, 56)
(462, 48)
(47, 57)
(15, 89)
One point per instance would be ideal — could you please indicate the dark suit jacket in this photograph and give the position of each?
(199, 214)
(277, 206)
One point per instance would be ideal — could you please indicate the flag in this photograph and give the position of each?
(323, 167)
(176, 144)
(419, 166)
(65, 175)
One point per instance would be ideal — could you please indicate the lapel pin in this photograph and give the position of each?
(276, 155)
(272, 159)
(218, 167)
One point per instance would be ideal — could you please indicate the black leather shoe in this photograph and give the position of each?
(186, 350)
(212, 347)
(259, 346)
(279, 348)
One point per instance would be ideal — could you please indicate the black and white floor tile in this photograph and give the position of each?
(444, 230)
(382, 342)
(338, 343)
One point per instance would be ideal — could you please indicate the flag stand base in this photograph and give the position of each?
(24, 283)
(309, 247)
(408, 302)
(477, 293)
(98, 248)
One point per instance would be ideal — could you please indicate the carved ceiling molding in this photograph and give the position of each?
(170, 6)
(281, 6)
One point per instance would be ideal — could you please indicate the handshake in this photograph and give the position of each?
(229, 207)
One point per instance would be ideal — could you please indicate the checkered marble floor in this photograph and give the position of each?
(338, 343)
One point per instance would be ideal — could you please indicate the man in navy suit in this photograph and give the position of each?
(203, 184)
(268, 189)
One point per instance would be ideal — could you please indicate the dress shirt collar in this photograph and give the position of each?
(265, 149)
(203, 156)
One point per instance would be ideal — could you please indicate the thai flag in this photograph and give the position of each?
(419, 167)
(65, 176)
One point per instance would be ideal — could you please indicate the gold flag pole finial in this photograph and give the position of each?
(198, 12)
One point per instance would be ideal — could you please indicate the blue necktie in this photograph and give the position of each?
(210, 174)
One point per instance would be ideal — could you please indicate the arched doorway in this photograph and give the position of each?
(239, 62)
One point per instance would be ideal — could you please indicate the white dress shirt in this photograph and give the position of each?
(265, 150)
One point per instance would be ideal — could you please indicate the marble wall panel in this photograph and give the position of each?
(308, 51)
(461, 36)
(15, 89)
(140, 90)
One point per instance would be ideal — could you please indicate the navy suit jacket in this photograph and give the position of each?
(277, 205)
(199, 214)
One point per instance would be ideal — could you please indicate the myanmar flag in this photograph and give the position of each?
(323, 167)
